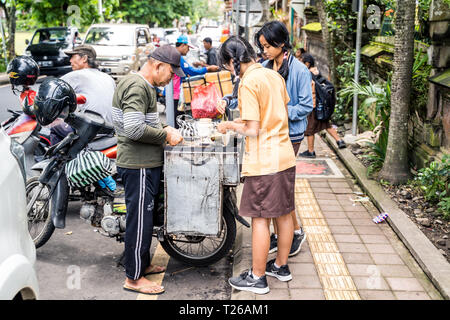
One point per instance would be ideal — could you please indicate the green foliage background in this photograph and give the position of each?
(46, 13)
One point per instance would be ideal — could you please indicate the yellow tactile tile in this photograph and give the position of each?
(333, 273)
(329, 269)
(325, 247)
(315, 222)
(341, 295)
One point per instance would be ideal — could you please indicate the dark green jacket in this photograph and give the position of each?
(139, 130)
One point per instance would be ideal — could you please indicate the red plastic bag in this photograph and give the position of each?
(204, 101)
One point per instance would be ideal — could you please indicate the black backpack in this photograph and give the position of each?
(325, 98)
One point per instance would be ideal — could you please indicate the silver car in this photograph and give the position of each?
(120, 47)
(18, 279)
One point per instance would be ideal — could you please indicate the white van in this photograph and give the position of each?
(120, 47)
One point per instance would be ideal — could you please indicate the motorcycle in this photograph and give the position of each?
(25, 130)
(49, 194)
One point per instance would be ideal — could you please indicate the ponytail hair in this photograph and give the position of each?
(240, 51)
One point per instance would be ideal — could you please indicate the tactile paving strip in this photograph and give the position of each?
(333, 274)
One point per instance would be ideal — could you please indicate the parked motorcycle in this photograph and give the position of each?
(48, 197)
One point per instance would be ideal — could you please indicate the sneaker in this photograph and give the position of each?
(308, 154)
(297, 243)
(246, 282)
(273, 244)
(282, 273)
(341, 144)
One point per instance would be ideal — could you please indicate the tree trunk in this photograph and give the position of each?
(396, 168)
(11, 32)
(326, 36)
(10, 13)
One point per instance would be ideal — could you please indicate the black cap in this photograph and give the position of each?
(83, 49)
(170, 55)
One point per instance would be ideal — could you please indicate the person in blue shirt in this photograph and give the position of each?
(182, 45)
(273, 40)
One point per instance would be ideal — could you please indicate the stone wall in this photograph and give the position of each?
(429, 136)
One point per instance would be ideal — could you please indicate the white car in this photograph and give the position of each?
(17, 251)
(213, 32)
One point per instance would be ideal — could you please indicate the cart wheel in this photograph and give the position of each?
(203, 251)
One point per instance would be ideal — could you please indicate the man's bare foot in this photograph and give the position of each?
(153, 269)
(143, 285)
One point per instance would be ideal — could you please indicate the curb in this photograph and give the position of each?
(427, 256)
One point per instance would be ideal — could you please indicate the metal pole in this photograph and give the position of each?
(100, 10)
(357, 61)
(247, 13)
(238, 8)
(3, 42)
(170, 108)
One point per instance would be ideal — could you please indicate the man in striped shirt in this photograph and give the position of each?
(140, 155)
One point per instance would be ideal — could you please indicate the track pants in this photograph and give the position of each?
(141, 187)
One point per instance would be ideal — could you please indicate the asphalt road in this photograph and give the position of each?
(78, 263)
(10, 101)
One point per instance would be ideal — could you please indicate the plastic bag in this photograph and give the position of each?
(204, 101)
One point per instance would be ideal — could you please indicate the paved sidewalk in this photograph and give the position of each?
(346, 256)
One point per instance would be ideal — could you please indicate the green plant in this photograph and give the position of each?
(420, 85)
(375, 156)
(345, 73)
(434, 183)
(444, 207)
(379, 96)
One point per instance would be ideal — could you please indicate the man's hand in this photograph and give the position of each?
(221, 105)
(173, 136)
(212, 68)
(198, 64)
(222, 127)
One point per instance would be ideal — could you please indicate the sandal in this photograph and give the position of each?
(150, 290)
(154, 269)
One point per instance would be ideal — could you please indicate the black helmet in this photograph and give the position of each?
(22, 71)
(55, 98)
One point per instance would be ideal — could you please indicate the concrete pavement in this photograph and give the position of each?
(346, 255)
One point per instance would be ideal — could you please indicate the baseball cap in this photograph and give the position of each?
(184, 39)
(83, 49)
(170, 55)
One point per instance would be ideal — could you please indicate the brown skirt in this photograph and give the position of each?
(315, 126)
(268, 196)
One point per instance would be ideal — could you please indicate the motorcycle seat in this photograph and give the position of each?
(102, 143)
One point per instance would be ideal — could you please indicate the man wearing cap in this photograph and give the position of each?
(183, 46)
(98, 87)
(140, 155)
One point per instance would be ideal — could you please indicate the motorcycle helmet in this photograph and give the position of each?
(55, 98)
(27, 101)
(22, 71)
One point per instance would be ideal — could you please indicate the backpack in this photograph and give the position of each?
(325, 98)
